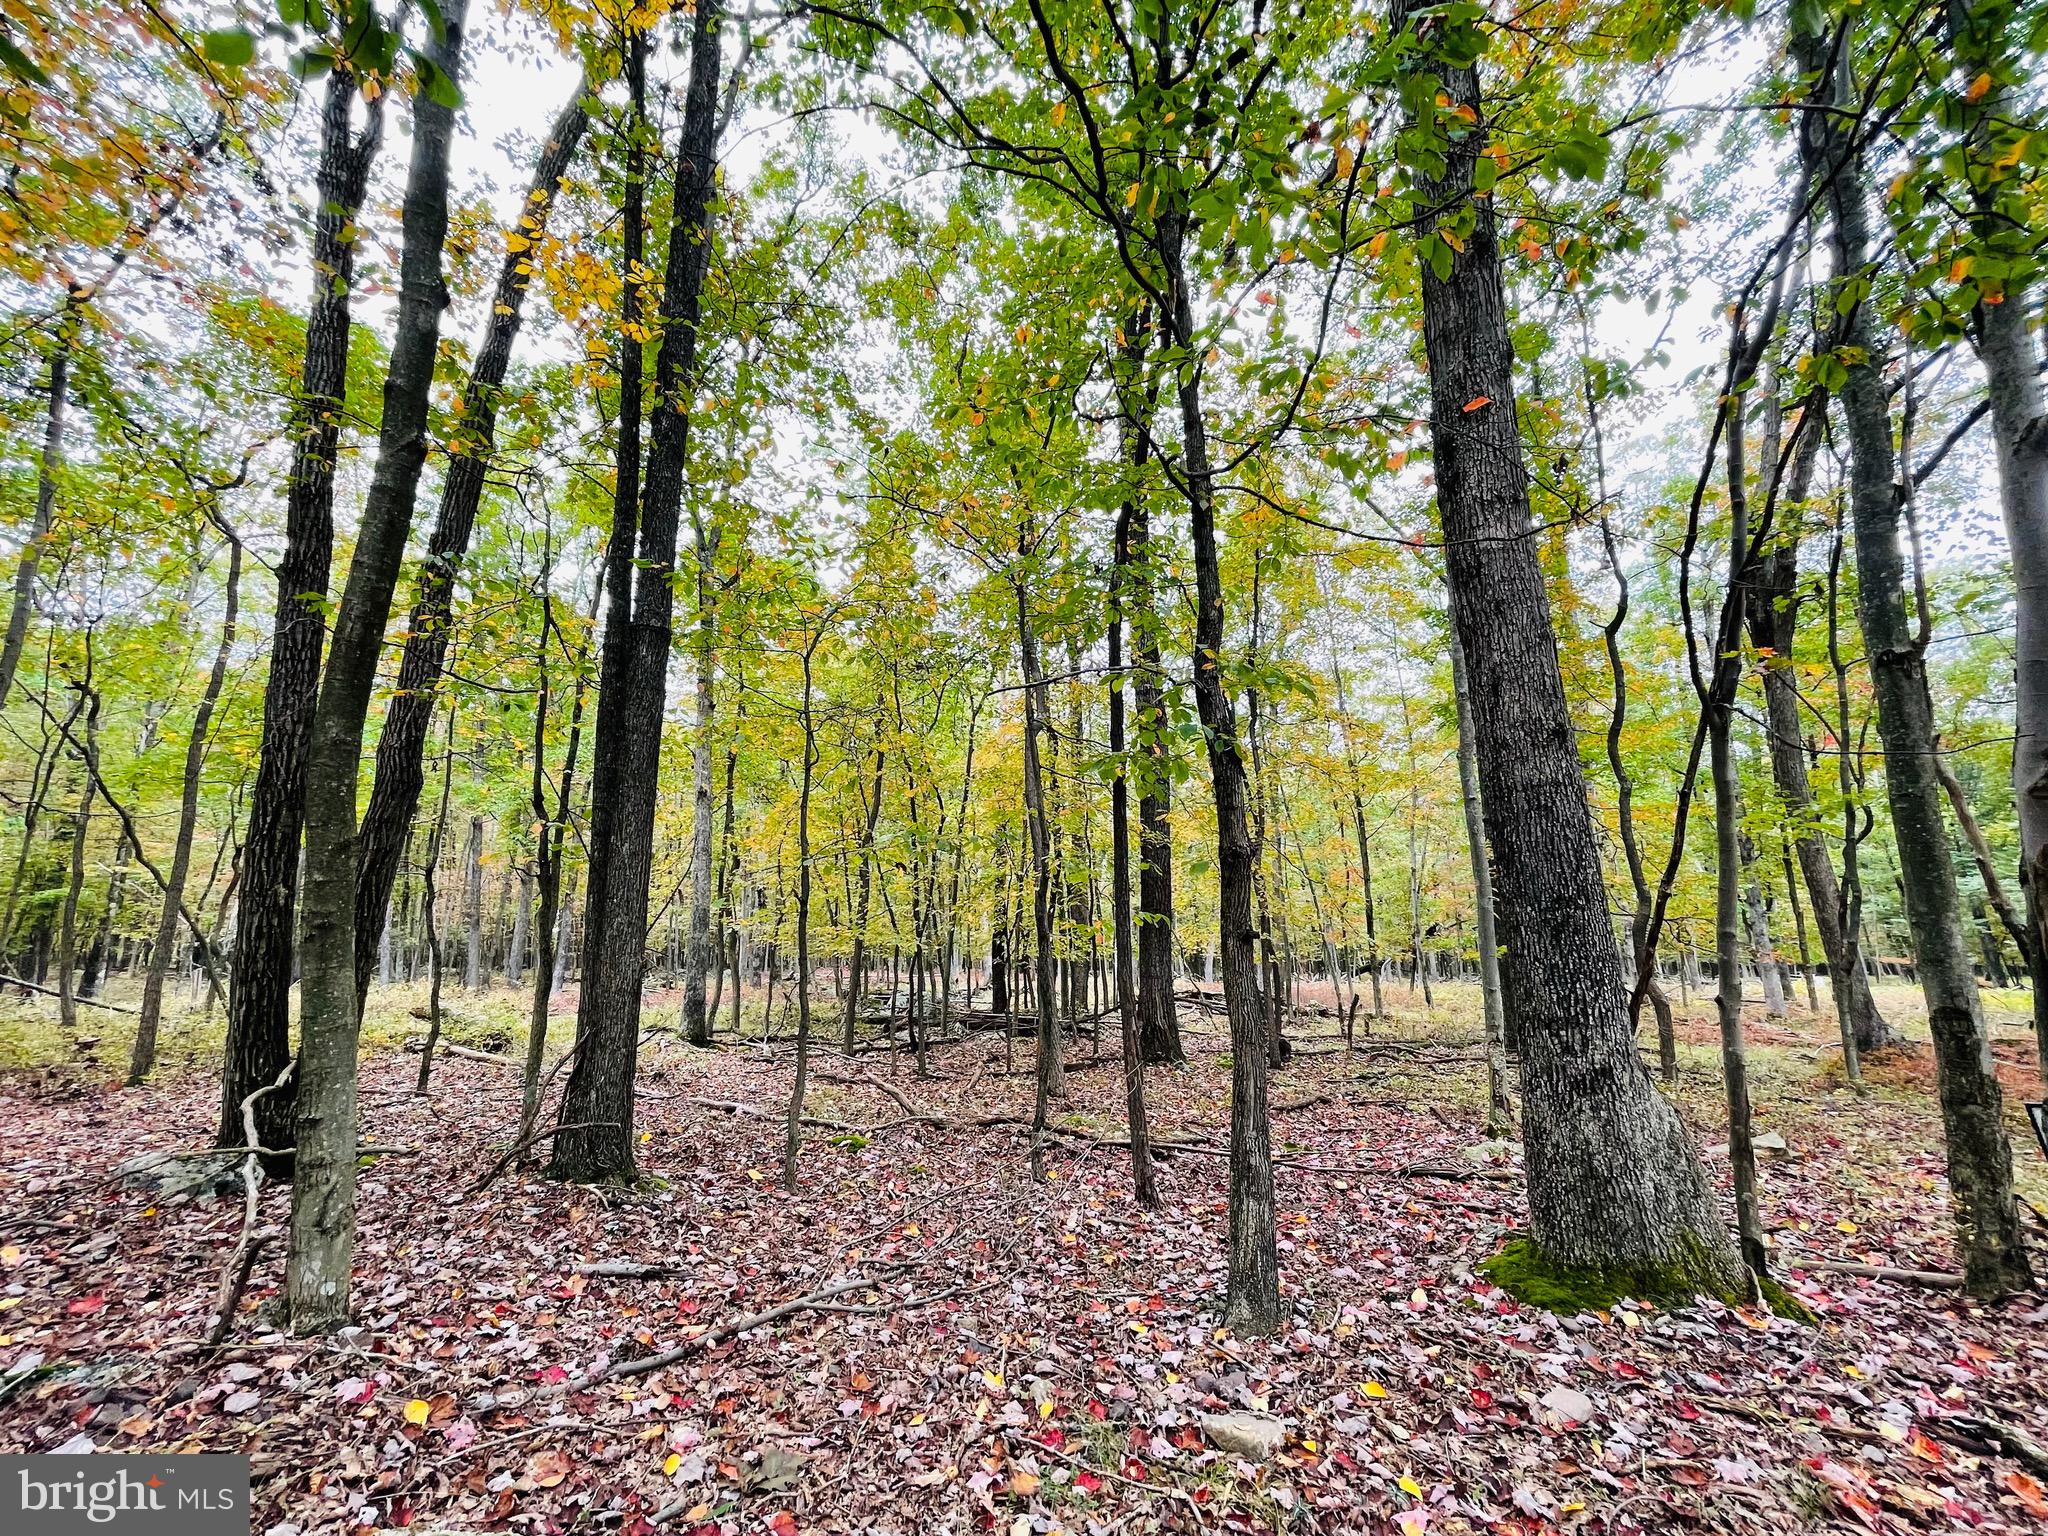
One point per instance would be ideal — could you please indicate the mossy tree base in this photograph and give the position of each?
(1531, 1278)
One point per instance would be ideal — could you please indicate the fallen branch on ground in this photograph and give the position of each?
(242, 1262)
(90, 1002)
(1929, 1277)
(1976, 1433)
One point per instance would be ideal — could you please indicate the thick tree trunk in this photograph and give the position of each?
(1979, 1156)
(395, 791)
(323, 1217)
(259, 997)
(1500, 1112)
(599, 1098)
(142, 1060)
(1614, 1180)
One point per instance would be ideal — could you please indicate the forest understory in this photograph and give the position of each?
(958, 1348)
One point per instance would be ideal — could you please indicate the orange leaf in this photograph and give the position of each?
(1978, 88)
(2029, 1493)
(1478, 402)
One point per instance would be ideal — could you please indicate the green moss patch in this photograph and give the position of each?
(1536, 1281)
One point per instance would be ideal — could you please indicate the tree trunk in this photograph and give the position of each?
(1614, 1180)
(1135, 445)
(857, 982)
(1254, 1272)
(1981, 36)
(323, 1218)
(395, 790)
(473, 907)
(793, 1129)
(696, 973)
(142, 1059)
(1500, 1112)
(259, 997)
(63, 343)
(1158, 1023)
(81, 826)
(430, 886)
(599, 1099)
(1051, 1076)
(1973, 1106)
(1773, 614)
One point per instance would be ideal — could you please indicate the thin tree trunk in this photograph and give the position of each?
(1050, 1076)
(81, 825)
(1158, 1024)
(857, 982)
(430, 886)
(142, 1060)
(473, 907)
(793, 1130)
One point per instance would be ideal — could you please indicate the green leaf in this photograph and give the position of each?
(19, 64)
(439, 85)
(230, 48)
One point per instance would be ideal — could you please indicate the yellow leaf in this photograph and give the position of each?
(1374, 1389)
(1024, 1484)
(668, 1467)
(1059, 113)
(1845, 1225)
(416, 1411)
(1131, 197)
(1410, 1487)
(1979, 87)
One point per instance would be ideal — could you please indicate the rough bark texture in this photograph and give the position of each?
(1120, 858)
(1500, 1116)
(395, 792)
(323, 1215)
(1051, 1077)
(634, 678)
(259, 996)
(697, 966)
(1972, 1105)
(473, 907)
(1158, 1024)
(1614, 1180)
(142, 1059)
(1254, 1275)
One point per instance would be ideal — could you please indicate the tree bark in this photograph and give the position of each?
(599, 1100)
(1500, 1111)
(395, 790)
(1972, 1104)
(323, 1216)
(473, 907)
(63, 343)
(81, 826)
(1050, 1075)
(1254, 1268)
(259, 997)
(1614, 1180)
(1158, 1024)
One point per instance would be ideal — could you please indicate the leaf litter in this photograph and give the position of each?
(959, 1349)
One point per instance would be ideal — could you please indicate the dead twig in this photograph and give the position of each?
(242, 1262)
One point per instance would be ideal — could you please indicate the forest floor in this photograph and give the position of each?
(994, 1353)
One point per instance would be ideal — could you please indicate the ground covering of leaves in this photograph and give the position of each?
(1022, 1357)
